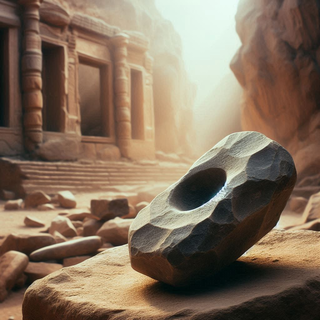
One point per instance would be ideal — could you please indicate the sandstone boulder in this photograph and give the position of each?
(91, 226)
(64, 226)
(26, 243)
(66, 199)
(229, 199)
(277, 279)
(59, 237)
(115, 231)
(132, 213)
(72, 248)
(81, 215)
(35, 199)
(313, 225)
(13, 204)
(109, 209)
(33, 222)
(12, 265)
(38, 270)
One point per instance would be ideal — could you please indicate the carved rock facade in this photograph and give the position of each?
(228, 200)
(86, 85)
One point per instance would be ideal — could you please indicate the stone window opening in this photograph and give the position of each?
(137, 114)
(4, 78)
(52, 78)
(93, 93)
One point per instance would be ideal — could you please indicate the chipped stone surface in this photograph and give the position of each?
(106, 209)
(35, 199)
(38, 270)
(12, 265)
(115, 231)
(228, 200)
(64, 226)
(72, 248)
(30, 221)
(13, 204)
(26, 243)
(277, 279)
(67, 199)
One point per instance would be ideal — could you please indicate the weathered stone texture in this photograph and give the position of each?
(277, 279)
(228, 200)
(278, 68)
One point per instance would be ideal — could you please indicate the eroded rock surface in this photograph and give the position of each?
(278, 68)
(277, 279)
(228, 200)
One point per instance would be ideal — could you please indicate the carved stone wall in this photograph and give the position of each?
(57, 43)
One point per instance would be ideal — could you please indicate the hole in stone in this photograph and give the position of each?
(198, 189)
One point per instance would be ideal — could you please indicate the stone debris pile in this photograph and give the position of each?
(72, 237)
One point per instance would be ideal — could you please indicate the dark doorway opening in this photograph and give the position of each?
(4, 78)
(52, 73)
(93, 91)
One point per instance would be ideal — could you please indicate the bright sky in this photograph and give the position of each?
(207, 30)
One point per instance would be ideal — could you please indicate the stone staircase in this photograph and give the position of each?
(51, 177)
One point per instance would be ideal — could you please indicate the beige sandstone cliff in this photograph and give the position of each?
(278, 66)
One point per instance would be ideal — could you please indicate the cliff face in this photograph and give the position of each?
(173, 92)
(278, 66)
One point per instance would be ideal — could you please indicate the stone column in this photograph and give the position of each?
(122, 99)
(31, 75)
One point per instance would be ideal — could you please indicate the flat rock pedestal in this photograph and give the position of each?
(279, 278)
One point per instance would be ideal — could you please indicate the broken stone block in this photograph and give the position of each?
(12, 265)
(59, 237)
(81, 215)
(26, 243)
(33, 222)
(64, 226)
(67, 262)
(115, 231)
(277, 279)
(109, 209)
(72, 248)
(132, 213)
(229, 199)
(35, 199)
(13, 204)
(46, 207)
(67, 199)
(91, 226)
(38, 270)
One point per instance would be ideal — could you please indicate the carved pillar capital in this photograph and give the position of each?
(31, 74)
(123, 115)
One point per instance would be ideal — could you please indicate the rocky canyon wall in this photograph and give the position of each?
(173, 92)
(278, 66)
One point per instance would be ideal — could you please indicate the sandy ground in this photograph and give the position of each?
(12, 222)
